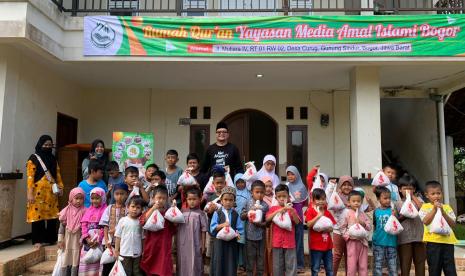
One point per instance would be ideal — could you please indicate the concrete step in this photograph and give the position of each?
(43, 268)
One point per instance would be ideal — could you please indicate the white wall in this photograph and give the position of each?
(409, 129)
(40, 95)
(159, 111)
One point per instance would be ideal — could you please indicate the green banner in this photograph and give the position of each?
(132, 149)
(281, 36)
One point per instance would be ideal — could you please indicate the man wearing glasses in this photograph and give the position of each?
(222, 153)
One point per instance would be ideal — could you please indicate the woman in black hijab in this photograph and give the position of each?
(42, 202)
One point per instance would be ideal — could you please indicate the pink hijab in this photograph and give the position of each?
(342, 179)
(93, 214)
(71, 215)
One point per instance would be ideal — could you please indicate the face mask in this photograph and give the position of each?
(47, 150)
(98, 155)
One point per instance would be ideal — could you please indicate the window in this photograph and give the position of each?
(289, 113)
(207, 112)
(123, 7)
(193, 112)
(297, 148)
(303, 113)
(195, 7)
(199, 140)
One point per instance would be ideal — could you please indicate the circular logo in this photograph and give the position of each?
(133, 151)
(102, 35)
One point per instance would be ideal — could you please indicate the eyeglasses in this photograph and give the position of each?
(222, 132)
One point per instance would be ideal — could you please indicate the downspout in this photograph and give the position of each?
(439, 99)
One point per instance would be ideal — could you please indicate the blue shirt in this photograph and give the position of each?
(380, 237)
(214, 222)
(88, 187)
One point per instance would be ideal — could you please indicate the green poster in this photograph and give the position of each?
(132, 149)
(276, 36)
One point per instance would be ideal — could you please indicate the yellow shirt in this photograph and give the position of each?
(433, 237)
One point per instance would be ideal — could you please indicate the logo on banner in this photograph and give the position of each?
(102, 35)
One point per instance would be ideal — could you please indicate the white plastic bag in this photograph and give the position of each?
(58, 264)
(92, 256)
(393, 226)
(215, 201)
(283, 221)
(250, 172)
(118, 269)
(335, 202)
(257, 214)
(408, 209)
(186, 179)
(174, 215)
(317, 184)
(439, 225)
(155, 222)
(357, 231)
(229, 181)
(329, 189)
(380, 179)
(226, 233)
(107, 256)
(323, 224)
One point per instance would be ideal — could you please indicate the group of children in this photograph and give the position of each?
(273, 244)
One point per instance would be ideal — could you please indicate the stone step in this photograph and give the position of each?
(43, 268)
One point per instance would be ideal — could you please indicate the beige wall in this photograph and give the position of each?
(40, 94)
(159, 111)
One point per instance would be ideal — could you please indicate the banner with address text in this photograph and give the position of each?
(280, 36)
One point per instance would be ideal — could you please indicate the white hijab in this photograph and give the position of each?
(263, 172)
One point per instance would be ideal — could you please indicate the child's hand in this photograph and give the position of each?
(107, 244)
(238, 236)
(223, 225)
(110, 187)
(116, 254)
(61, 245)
(212, 208)
(438, 204)
(317, 166)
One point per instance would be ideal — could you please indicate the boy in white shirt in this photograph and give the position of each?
(128, 243)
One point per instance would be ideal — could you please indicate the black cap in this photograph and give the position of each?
(221, 125)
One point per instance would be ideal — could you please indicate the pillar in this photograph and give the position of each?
(365, 120)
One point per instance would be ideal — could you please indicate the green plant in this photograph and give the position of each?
(459, 167)
(459, 231)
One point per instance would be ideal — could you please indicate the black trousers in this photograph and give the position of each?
(45, 231)
(440, 257)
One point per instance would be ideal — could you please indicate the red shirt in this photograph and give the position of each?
(281, 238)
(319, 241)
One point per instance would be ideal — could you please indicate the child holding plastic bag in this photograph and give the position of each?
(92, 232)
(357, 246)
(384, 244)
(128, 238)
(283, 241)
(69, 233)
(411, 247)
(268, 198)
(156, 254)
(110, 218)
(135, 186)
(242, 197)
(321, 182)
(321, 245)
(254, 214)
(191, 236)
(439, 247)
(299, 194)
(344, 186)
(224, 255)
(390, 171)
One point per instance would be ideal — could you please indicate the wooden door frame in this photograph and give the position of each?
(304, 129)
(246, 112)
(65, 116)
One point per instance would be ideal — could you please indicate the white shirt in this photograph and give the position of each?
(130, 233)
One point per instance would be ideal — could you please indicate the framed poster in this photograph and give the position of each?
(132, 149)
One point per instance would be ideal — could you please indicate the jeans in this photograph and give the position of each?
(388, 253)
(299, 242)
(327, 257)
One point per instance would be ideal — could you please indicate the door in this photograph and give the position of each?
(297, 148)
(67, 128)
(254, 133)
(199, 140)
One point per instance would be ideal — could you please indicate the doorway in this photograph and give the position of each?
(254, 133)
(67, 128)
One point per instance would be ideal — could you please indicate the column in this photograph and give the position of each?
(365, 120)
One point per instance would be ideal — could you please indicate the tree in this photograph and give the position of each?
(459, 167)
